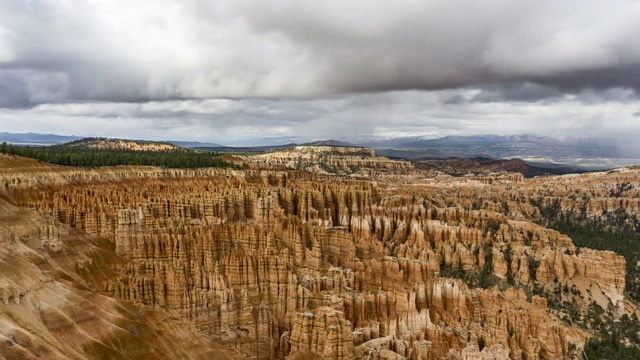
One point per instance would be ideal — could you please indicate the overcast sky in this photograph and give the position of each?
(241, 71)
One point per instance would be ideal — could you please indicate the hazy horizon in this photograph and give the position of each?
(239, 72)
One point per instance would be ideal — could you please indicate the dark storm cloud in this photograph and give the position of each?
(24, 88)
(522, 91)
(443, 44)
(13, 92)
(625, 76)
(140, 51)
(536, 93)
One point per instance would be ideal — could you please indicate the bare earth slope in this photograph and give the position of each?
(136, 262)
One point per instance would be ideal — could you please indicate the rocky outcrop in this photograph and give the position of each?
(495, 352)
(50, 309)
(291, 265)
(340, 160)
(323, 334)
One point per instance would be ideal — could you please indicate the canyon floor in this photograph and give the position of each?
(314, 253)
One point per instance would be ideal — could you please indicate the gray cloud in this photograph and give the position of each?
(616, 75)
(389, 114)
(520, 91)
(232, 71)
(443, 44)
(13, 91)
(139, 51)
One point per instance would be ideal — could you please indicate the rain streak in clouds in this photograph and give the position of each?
(281, 69)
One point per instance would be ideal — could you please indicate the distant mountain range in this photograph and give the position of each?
(586, 152)
(462, 166)
(36, 139)
(52, 139)
(502, 146)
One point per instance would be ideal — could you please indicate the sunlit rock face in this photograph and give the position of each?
(336, 160)
(289, 264)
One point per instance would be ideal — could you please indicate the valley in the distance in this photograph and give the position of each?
(119, 249)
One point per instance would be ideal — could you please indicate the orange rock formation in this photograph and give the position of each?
(285, 265)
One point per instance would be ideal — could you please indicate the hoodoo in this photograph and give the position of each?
(292, 265)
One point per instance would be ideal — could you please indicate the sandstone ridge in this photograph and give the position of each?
(325, 159)
(121, 144)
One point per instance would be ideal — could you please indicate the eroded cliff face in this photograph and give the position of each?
(338, 160)
(290, 265)
(50, 309)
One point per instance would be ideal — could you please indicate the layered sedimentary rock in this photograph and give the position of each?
(49, 308)
(290, 265)
(340, 160)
